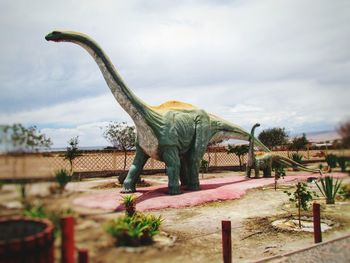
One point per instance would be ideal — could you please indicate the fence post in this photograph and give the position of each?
(83, 255)
(226, 241)
(317, 222)
(67, 242)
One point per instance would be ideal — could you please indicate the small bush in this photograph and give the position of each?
(62, 177)
(136, 230)
(296, 158)
(331, 160)
(345, 191)
(303, 194)
(40, 211)
(329, 189)
(342, 163)
(35, 211)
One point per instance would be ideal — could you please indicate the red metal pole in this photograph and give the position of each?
(67, 242)
(317, 222)
(226, 241)
(83, 256)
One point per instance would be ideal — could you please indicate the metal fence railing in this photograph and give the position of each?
(43, 165)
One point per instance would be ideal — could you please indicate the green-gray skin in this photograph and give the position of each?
(264, 162)
(176, 133)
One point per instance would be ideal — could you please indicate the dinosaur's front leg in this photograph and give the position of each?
(129, 185)
(172, 162)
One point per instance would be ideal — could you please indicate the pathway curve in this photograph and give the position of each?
(156, 197)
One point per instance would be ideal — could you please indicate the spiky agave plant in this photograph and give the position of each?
(129, 202)
(329, 189)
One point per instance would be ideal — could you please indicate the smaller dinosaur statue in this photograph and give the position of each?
(264, 161)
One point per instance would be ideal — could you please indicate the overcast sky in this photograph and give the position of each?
(280, 63)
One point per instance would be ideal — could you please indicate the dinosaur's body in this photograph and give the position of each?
(176, 133)
(264, 161)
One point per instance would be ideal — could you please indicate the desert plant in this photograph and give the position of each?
(331, 160)
(135, 230)
(22, 188)
(303, 193)
(72, 151)
(204, 166)
(62, 177)
(296, 158)
(1, 185)
(342, 163)
(129, 202)
(329, 189)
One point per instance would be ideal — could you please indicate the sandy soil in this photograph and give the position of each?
(188, 234)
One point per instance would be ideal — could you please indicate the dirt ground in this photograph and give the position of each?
(190, 234)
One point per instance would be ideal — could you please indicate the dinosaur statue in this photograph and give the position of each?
(174, 132)
(265, 160)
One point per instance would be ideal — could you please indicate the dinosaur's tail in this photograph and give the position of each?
(288, 162)
(224, 130)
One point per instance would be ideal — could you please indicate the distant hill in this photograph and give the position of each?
(321, 136)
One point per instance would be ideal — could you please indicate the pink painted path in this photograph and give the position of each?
(156, 197)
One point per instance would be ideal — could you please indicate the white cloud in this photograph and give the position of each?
(89, 135)
(280, 63)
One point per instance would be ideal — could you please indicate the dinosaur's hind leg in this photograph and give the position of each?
(197, 152)
(184, 170)
(172, 162)
(134, 171)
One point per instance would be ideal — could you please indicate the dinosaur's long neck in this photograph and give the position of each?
(125, 97)
(251, 153)
(143, 116)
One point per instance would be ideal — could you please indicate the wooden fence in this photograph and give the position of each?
(43, 165)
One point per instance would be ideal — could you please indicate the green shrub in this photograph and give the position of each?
(329, 189)
(62, 177)
(303, 193)
(135, 230)
(35, 211)
(204, 166)
(331, 160)
(342, 163)
(296, 158)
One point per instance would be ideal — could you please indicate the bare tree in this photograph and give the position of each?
(121, 136)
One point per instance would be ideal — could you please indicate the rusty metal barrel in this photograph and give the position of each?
(26, 240)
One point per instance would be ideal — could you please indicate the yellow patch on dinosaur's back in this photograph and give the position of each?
(173, 105)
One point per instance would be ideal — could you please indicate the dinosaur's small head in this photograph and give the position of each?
(55, 36)
(257, 125)
(64, 36)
